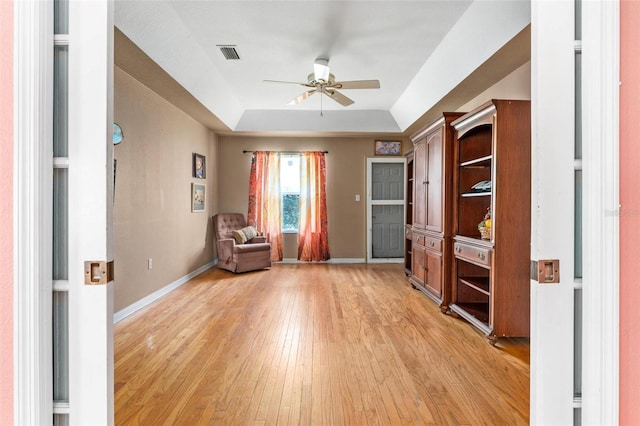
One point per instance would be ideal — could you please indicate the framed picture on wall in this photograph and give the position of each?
(199, 166)
(388, 148)
(198, 192)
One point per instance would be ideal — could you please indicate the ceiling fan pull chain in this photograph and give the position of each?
(321, 115)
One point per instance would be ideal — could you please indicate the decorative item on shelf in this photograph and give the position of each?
(482, 186)
(485, 225)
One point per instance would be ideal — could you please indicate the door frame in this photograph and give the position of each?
(601, 211)
(32, 212)
(371, 203)
(552, 305)
(90, 149)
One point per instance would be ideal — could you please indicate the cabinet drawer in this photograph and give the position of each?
(434, 244)
(477, 255)
(407, 232)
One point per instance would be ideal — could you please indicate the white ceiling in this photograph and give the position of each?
(420, 51)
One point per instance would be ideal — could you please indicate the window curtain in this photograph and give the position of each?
(313, 241)
(265, 211)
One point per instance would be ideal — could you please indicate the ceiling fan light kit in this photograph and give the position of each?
(321, 69)
(322, 81)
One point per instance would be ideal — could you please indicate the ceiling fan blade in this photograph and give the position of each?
(302, 97)
(338, 97)
(286, 82)
(357, 84)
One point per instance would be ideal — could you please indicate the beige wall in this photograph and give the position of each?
(346, 177)
(516, 85)
(152, 206)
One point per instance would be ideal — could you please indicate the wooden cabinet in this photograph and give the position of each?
(490, 279)
(433, 149)
(408, 215)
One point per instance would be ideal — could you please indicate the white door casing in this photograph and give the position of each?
(90, 229)
(371, 202)
(601, 211)
(32, 203)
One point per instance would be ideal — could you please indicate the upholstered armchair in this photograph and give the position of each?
(239, 249)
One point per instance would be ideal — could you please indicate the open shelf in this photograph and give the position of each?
(476, 194)
(478, 310)
(478, 162)
(480, 284)
(475, 313)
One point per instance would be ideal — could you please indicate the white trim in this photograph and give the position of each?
(600, 291)
(61, 408)
(386, 260)
(91, 386)
(370, 203)
(552, 210)
(32, 204)
(149, 299)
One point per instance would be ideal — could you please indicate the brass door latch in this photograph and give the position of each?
(98, 272)
(546, 271)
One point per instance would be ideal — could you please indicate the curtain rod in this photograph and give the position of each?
(285, 152)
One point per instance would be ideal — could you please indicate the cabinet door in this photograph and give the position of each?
(434, 180)
(420, 185)
(418, 271)
(433, 275)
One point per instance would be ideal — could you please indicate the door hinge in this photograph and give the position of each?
(98, 272)
(546, 271)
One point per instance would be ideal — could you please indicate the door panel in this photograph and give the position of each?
(420, 177)
(434, 183)
(433, 279)
(387, 181)
(388, 231)
(419, 263)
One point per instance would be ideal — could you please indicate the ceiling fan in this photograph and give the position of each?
(322, 81)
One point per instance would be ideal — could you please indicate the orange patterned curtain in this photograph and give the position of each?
(265, 211)
(313, 240)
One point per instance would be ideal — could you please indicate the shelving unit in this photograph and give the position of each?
(432, 225)
(490, 279)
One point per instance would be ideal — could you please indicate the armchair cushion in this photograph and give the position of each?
(245, 234)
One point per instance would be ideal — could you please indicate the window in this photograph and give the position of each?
(290, 191)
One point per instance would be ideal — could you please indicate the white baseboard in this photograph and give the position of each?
(387, 260)
(336, 260)
(147, 300)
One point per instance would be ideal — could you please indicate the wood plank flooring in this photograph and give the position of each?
(312, 344)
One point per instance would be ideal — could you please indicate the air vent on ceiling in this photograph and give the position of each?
(229, 51)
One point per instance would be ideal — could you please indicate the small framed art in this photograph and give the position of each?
(199, 166)
(388, 148)
(198, 193)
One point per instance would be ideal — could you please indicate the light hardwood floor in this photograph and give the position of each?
(312, 344)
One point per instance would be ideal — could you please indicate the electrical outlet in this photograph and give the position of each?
(357, 197)
(150, 263)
